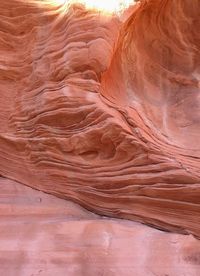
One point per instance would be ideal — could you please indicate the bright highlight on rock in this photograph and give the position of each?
(109, 6)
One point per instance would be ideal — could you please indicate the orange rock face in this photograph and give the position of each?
(105, 111)
(46, 236)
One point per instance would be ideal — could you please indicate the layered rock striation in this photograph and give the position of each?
(104, 110)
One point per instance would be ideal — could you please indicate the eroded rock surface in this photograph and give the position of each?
(104, 111)
(46, 236)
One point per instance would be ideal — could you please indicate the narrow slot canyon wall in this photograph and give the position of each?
(103, 111)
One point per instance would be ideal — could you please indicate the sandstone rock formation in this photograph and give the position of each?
(104, 111)
(42, 235)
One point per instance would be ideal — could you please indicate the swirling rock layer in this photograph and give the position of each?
(43, 235)
(104, 111)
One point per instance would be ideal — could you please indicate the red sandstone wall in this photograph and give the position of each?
(103, 112)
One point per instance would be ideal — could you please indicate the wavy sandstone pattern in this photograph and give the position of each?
(104, 111)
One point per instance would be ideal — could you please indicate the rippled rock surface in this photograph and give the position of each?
(104, 110)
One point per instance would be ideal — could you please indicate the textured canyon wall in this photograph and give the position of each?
(104, 111)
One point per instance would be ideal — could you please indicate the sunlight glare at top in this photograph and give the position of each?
(109, 6)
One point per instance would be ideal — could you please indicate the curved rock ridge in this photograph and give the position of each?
(104, 110)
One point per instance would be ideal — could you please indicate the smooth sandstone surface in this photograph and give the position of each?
(103, 110)
(41, 235)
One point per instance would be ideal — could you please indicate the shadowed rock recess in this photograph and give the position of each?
(105, 110)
